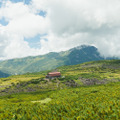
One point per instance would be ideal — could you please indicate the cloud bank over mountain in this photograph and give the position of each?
(64, 24)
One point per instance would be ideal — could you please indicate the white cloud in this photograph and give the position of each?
(68, 23)
(77, 22)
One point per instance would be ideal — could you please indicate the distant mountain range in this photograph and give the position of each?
(51, 60)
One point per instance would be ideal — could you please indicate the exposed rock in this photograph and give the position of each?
(71, 83)
(94, 81)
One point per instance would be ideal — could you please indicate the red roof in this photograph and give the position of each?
(53, 74)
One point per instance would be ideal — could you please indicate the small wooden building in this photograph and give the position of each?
(53, 75)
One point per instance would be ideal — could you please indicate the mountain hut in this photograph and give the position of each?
(53, 75)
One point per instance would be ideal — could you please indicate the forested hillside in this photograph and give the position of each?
(2, 75)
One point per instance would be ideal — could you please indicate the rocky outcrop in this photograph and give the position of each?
(71, 83)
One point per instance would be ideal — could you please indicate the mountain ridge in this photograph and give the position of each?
(51, 60)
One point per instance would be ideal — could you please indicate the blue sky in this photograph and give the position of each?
(34, 42)
(3, 21)
(25, 1)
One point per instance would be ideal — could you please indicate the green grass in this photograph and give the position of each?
(87, 103)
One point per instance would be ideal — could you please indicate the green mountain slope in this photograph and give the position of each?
(50, 61)
(2, 75)
(89, 73)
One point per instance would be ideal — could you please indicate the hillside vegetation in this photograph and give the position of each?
(84, 103)
(90, 73)
(3, 75)
(50, 61)
(87, 91)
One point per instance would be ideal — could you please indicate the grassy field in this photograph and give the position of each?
(82, 103)
(87, 91)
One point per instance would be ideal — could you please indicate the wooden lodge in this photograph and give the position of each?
(53, 75)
